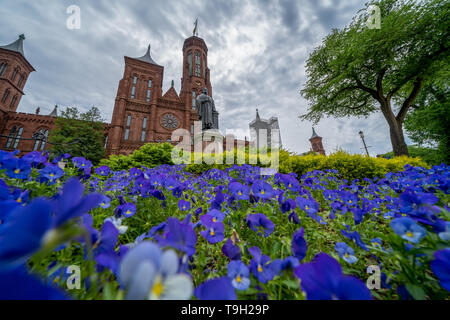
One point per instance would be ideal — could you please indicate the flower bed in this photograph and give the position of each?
(163, 233)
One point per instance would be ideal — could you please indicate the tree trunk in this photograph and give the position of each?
(399, 146)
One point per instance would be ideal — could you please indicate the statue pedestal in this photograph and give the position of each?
(209, 141)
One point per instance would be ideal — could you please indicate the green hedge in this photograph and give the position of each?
(349, 166)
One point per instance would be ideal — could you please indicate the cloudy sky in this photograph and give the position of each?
(257, 54)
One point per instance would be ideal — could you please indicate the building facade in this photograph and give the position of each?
(261, 131)
(142, 113)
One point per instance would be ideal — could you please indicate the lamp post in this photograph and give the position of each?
(361, 134)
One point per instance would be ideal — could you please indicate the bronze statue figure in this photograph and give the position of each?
(206, 111)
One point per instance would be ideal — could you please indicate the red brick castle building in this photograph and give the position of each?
(142, 113)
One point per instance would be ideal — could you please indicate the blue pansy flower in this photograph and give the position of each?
(105, 202)
(149, 273)
(127, 209)
(50, 173)
(214, 230)
(441, 267)
(217, 215)
(216, 289)
(310, 206)
(240, 191)
(17, 168)
(345, 252)
(81, 163)
(259, 223)
(179, 235)
(408, 229)
(102, 171)
(184, 205)
(18, 284)
(239, 274)
(299, 245)
(262, 189)
(231, 250)
(322, 279)
(261, 267)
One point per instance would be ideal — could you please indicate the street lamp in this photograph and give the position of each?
(361, 134)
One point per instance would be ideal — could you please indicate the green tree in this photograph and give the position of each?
(428, 123)
(359, 70)
(80, 134)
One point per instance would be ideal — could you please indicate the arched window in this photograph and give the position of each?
(190, 63)
(3, 67)
(133, 88)
(204, 67)
(41, 140)
(13, 102)
(144, 128)
(18, 136)
(127, 129)
(22, 77)
(149, 90)
(16, 71)
(197, 64)
(14, 135)
(106, 142)
(5, 95)
(194, 95)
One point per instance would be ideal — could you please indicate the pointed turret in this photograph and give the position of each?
(16, 46)
(147, 57)
(257, 115)
(54, 113)
(314, 135)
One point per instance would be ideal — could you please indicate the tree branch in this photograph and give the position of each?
(408, 102)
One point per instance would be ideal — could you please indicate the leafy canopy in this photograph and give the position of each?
(79, 134)
(357, 70)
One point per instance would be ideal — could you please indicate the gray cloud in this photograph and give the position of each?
(257, 54)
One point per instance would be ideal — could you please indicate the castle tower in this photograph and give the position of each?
(14, 72)
(133, 120)
(196, 75)
(316, 143)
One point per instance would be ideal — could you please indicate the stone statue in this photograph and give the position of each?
(206, 111)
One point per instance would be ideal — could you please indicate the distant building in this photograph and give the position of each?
(267, 124)
(316, 143)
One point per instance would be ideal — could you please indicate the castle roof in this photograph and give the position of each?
(314, 135)
(54, 113)
(16, 46)
(147, 58)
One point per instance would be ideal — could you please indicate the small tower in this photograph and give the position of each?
(14, 72)
(316, 143)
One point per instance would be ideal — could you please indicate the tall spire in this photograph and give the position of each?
(147, 57)
(314, 134)
(257, 115)
(16, 46)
